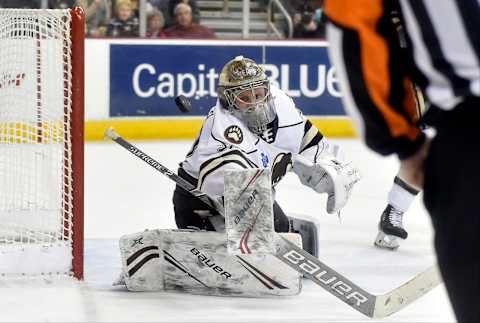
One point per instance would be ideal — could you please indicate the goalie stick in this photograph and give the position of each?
(216, 220)
(374, 306)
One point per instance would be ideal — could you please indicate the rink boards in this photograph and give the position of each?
(132, 83)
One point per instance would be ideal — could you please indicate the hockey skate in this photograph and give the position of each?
(390, 229)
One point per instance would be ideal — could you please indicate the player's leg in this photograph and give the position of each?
(451, 197)
(400, 198)
(190, 212)
(280, 219)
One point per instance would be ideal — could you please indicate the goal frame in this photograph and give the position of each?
(28, 238)
(77, 135)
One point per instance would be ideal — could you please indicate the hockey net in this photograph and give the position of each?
(41, 142)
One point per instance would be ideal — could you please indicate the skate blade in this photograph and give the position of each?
(385, 241)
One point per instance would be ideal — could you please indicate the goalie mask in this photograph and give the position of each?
(244, 90)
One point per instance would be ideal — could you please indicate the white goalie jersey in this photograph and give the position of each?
(226, 143)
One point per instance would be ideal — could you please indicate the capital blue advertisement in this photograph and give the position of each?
(145, 79)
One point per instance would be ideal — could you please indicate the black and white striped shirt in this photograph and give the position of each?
(445, 38)
(377, 75)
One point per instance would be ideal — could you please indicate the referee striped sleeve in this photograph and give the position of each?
(469, 11)
(446, 42)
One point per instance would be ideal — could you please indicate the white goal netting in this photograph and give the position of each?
(36, 181)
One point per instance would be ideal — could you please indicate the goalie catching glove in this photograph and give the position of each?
(328, 175)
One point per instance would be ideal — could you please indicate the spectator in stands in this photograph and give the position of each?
(124, 24)
(97, 14)
(307, 16)
(309, 24)
(171, 5)
(155, 24)
(185, 27)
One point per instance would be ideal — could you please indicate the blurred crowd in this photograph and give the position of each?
(169, 18)
(308, 18)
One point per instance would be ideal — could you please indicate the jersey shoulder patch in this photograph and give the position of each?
(233, 134)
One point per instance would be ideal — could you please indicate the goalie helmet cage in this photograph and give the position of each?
(41, 142)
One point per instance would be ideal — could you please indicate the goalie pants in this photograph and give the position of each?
(451, 192)
(188, 209)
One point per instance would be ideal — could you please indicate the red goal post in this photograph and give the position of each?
(41, 142)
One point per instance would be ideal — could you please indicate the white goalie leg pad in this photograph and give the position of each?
(328, 175)
(142, 265)
(197, 262)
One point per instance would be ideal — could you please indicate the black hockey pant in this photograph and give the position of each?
(452, 197)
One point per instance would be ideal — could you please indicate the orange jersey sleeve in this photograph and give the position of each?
(372, 67)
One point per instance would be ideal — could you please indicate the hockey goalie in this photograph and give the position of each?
(249, 140)
(241, 261)
(254, 124)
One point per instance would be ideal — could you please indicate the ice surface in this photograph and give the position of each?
(123, 195)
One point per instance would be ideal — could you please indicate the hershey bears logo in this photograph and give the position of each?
(234, 134)
(280, 166)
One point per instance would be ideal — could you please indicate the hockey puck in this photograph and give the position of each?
(183, 104)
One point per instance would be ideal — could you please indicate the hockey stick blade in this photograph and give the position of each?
(413, 289)
(374, 306)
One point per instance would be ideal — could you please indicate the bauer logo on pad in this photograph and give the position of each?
(249, 211)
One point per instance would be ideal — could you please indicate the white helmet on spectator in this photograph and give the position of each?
(244, 90)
